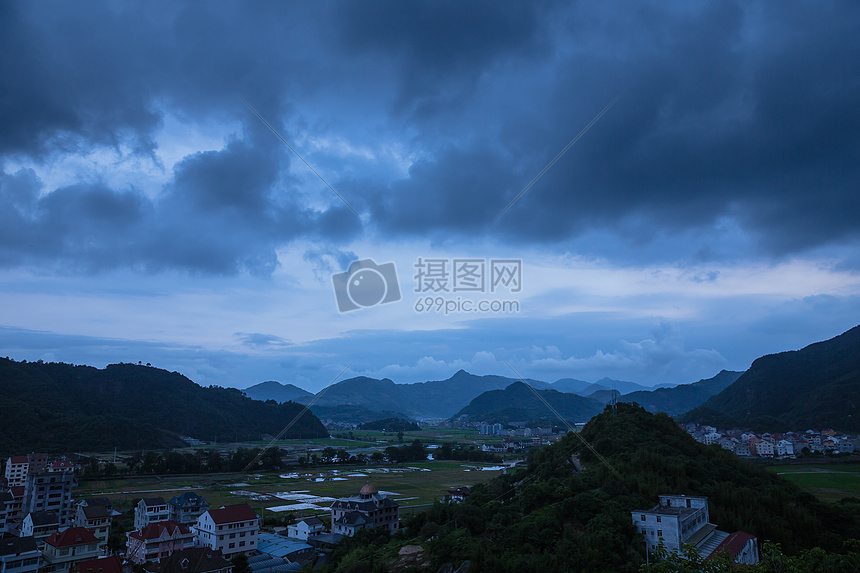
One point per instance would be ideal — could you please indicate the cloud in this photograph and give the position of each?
(259, 340)
(735, 137)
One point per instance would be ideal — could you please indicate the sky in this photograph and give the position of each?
(309, 191)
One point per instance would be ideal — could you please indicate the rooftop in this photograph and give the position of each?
(72, 536)
(233, 513)
(15, 545)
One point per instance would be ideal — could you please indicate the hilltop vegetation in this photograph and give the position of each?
(56, 407)
(551, 517)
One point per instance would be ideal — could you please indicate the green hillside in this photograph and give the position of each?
(57, 407)
(816, 387)
(518, 403)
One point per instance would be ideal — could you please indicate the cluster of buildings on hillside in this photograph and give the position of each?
(745, 443)
(46, 530)
(679, 520)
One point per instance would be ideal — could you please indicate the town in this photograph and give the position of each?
(748, 444)
(46, 528)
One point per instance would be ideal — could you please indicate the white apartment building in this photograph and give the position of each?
(150, 510)
(232, 529)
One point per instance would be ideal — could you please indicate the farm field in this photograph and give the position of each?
(301, 491)
(828, 482)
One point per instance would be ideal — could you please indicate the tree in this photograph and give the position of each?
(240, 563)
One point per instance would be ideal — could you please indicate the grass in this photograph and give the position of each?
(424, 486)
(828, 482)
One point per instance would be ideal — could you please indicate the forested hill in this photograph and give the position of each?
(56, 407)
(816, 387)
(553, 517)
(684, 397)
(519, 403)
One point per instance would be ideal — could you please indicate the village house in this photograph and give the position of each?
(150, 510)
(193, 560)
(305, 528)
(19, 555)
(232, 529)
(40, 525)
(186, 508)
(67, 547)
(112, 564)
(96, 519)
(157, 541)
(61, 465)
(369, 509)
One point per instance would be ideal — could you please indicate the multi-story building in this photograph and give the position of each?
(369, 509)
(673, 521)
(157, 541)
(149, 510)
(232, 529)
(38, 463)
(186, 508)
(50, 492)
(67, 547)
(16, 470)
(764, 448)
(19, 555)
(784, 448)
(40, 525)
(684, 520)
(96, 519)
(5, 503)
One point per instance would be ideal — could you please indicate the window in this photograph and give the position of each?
(689, 503)
(232, 545)
(241, 544)
(658, 519)
(643, 517)
(232, 536)
(659, 533)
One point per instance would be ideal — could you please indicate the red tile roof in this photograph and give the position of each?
(19, 460)
(72, 536)
(157, 529)
(233, 513)
(112, 564)
(17, 491)
(734, 543)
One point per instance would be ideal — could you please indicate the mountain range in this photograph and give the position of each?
(684, 397)
(47, 406)
(433, 399)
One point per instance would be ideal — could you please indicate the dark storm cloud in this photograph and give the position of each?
(726, 111)
(729, 111)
